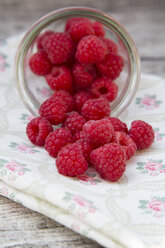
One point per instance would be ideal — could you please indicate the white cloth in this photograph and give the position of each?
(126, 214)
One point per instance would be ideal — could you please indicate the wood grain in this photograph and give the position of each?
(145, 21)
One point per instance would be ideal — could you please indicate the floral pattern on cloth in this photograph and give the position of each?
(158, 135)
(23, 147)
(80, 204)
(151, 167)
(3, 62)
(148, 102)
(100, 210)
(155, 206)
(13, 169)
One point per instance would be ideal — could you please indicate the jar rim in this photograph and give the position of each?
(67, 12)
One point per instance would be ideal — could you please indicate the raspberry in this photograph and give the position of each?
(42, 37)
(98, 29)
(70, 161)
(104, 87)
(91, 50)
(60, 78)
(78, 135)
(111, 45)
(126, 142)
(86, 148)
(111, 66)
(40, 64)
(98, 132)
(109, 161)
(74, 20)
(96, 109)
(83, 75)
(142, 134)
(37, 130)
(56, 140)
(118, 125)
(53, 109)
(66, 97)
(80, 29)
(58, 47)
(80, 98)
(74, 122)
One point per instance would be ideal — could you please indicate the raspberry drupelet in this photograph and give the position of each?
(40, 64)
(142, 134)
(53, 109)
(66, 97)
(71, 161)
(37, 130)
(74, 122)
(60, 78)
(98, 132)
(96, 109)
(109, 161)
(104, 87)
(56, 140)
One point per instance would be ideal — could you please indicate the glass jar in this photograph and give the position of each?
(33, 90)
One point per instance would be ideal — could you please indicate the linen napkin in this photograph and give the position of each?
(126, 214)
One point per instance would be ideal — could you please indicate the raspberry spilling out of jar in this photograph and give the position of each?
(80, 65)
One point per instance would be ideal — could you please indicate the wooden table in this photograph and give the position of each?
(145, 21)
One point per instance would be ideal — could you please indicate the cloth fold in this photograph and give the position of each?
(126, 214)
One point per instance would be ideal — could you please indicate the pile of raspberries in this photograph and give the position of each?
(80, 66)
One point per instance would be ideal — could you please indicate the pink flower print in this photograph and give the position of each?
(21, 173)
(92, 210)
(80, 200)
(87, 179)
(149, 102)
(4, 191)
(153, 166)
(75, 227)
(24, 148)
(156, 205)
(30, 117)
(12, 166)
(2, 63)
(45, 92)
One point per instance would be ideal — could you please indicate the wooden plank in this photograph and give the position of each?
(21, 227)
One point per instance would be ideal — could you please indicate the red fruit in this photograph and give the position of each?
(91, 50)
(78, 135)
(111, 45)
(142, 134)
(53, 109)
(80, 98)
(98, 132)
(126, 142)
(37, 130)
(118, 125)
(58, 47)
(109, 161)
(66, 97)
(74, 122)
(80, 29)
(98, 29)
(42, 37)
(83, 75)
(86, 148)
(111, 66)
(74, 20)
(104, 87)
(96, 109)
(70, 161)
(40, 64)
(60, 78)
(56, 140)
